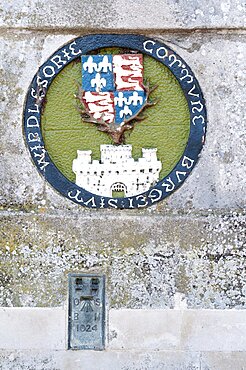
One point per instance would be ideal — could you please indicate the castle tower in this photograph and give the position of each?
(115, 154)
(150, 154)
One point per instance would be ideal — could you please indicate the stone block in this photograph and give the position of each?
(114, 15)
(91, 360)
(185, 330)
(214, 330)
(32, 328)
(223, 360)
(145, 329)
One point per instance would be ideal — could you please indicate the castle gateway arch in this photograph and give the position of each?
(118, 189)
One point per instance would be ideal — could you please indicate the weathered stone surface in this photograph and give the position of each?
(223, 360)
(85, 360)
(147, 258)
(218, 181)
(121, 360)
(114, 14)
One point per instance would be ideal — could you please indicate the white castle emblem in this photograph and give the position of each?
(117, 171)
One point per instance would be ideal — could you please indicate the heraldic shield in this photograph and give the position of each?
(113, 92)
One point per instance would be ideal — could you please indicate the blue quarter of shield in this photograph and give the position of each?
(128, 104)
(97, 73)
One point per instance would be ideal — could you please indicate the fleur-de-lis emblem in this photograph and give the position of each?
(98, 82)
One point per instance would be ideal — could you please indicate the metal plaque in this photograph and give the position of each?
(86, 316)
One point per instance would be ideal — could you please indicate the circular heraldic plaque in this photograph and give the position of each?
(115, 121)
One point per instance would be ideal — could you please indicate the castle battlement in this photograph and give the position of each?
(117, 170)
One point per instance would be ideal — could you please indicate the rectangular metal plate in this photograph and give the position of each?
(86, 314)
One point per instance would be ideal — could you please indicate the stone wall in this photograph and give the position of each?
(186, 254)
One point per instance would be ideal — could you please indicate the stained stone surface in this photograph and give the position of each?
(146, 258)
(187, 250)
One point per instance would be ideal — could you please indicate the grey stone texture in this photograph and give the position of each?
(121, 360)
(146, 258)
(117, 360)
(117, 14)
(187, 251)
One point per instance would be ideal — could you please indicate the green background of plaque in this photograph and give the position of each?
(166, 126)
